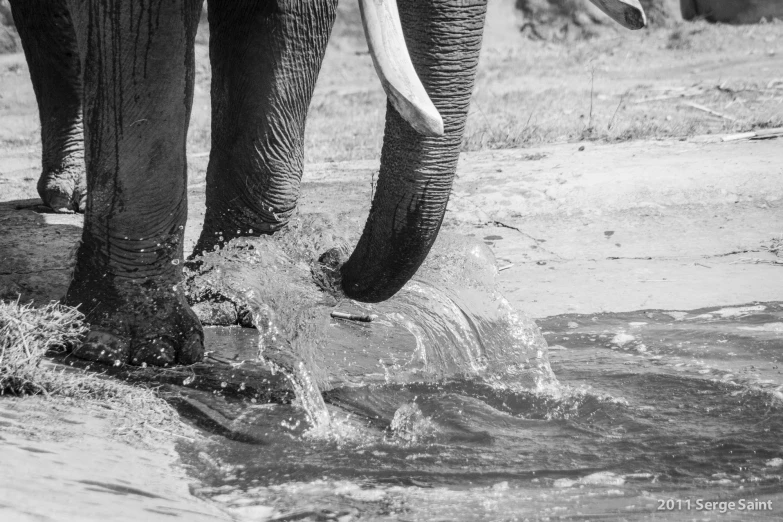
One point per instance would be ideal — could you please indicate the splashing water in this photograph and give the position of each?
(449, 324)
(445, 406)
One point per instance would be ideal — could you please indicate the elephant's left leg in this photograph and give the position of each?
(139, 72)
(265, 58)
(49, 42)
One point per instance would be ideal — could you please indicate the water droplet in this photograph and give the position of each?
(175, 261)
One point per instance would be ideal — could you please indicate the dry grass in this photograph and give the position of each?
(27, 334)
(527, 92)
(775, 246)
(622, 86)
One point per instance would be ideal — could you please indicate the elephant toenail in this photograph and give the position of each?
(105, 347)
(153, 351)
(192, 349)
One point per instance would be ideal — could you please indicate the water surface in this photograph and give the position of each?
(450, 406)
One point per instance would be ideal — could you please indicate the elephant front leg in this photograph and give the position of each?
(265, 59)
(139, 70)
(49, 43)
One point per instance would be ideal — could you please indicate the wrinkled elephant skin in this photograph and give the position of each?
(114, 83)
(732, 11)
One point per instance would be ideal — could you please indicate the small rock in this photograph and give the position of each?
(621, 339)
(500, 486)
(254, 513)
(222, 314)
(603, 478)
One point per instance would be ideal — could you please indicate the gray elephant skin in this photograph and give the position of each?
(731, 11)
(114, 85)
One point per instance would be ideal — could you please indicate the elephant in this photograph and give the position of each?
(114, 84)
(731, 11)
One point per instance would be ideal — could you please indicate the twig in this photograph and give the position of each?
(221, 361)
(353, 317)
(709, 111)
(757, 261)
(528, 120)
(505, 267)
(739, 136)
(592, 81)
(609, 127)
(665, 97)
(755, 135)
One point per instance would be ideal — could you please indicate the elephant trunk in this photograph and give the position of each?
(443, 39)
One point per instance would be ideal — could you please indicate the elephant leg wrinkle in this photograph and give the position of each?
(265, 58)
(49, 42)
(137, 60)
(137, 97)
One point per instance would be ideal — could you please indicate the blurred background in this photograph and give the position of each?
(551, 71)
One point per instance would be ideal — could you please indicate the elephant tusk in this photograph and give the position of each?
(628, 13)
(383, 30)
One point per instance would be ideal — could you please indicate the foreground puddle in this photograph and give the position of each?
(651, 406)
(445, 406)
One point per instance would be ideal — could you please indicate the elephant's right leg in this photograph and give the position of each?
(49, 43)
(265, 58)
(139, 72)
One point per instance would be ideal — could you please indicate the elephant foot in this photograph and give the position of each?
(64, 190)
(137, 323)
(326, 273)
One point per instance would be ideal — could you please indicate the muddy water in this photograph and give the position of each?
(446, 405)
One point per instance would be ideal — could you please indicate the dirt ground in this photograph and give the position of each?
(68, 457)
(595, 170)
